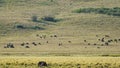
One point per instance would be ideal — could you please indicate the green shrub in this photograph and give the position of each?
(34, 18)
(2, 2)
(36, 28)
(115, 11)
(20, 26)
(49, 18)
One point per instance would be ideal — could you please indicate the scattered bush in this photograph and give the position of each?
(28, 27)
(2, 2)
(49, 18)
(36, 28)
(20, 26)
(109, 11)
(34, 18)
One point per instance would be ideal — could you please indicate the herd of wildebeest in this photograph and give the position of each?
(26, 44)
(104, 41)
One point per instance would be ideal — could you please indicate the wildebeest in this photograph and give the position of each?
(39, 43)
(119, 39)
(46, 41)
(94, 44)
(98, 47)
(34, 43)
(5, 46)
(115, 40)
(27, 43)
(106, 43)
(109, 41)
(96, 35)
(55, 35)
(42, 64)
(60, 44)
(37, 35)
(85, 40)
(10, 45)
(88, 43)
(99, 39)
(27, 47)
(22, 44)
(107, 36)
(69, 41)
(102, 40)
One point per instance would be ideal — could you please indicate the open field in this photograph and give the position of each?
(50, 30)
(60, 62)
(72, 29)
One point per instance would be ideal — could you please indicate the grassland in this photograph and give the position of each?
(60, 62)
(71, 26)
(77, 34)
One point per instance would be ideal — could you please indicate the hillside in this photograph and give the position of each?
(51, 27)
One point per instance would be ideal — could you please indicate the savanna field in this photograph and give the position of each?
(63, 33)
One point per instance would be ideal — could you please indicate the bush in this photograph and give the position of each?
(20, 26)
(49, 18)
(2, 3)
(34, 18)
(109, 11)
(36, 28)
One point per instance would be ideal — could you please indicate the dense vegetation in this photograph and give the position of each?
(109, 11)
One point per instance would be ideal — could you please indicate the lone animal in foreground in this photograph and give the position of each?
(42, 64)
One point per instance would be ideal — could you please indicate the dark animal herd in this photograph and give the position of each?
(104, 41)
(27, 44)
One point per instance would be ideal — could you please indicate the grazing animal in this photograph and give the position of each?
(119, 39)
(41, 37)
(69, 41)
(102, 40)
(109, 41)
(37, 35)
(107, 36)
(34, 44)
(47, 42)
(96, 35)
(85, 40)
(5, 46)
(60, 44)
(98, 39)
(88, 43)
(42, 64)
(106, 43)
(39, 43)
(27, 43)
(10, 45)
(51, 36)
(27, 47)
(55, 35)
(115, 40)
(98, 47)
(94, 44)
(22, 44)
(102, 44)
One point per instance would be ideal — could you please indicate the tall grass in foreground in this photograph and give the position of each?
(60, 62)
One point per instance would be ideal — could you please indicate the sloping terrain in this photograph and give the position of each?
(51, 26)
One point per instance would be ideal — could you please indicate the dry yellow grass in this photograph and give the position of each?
(64, 62)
